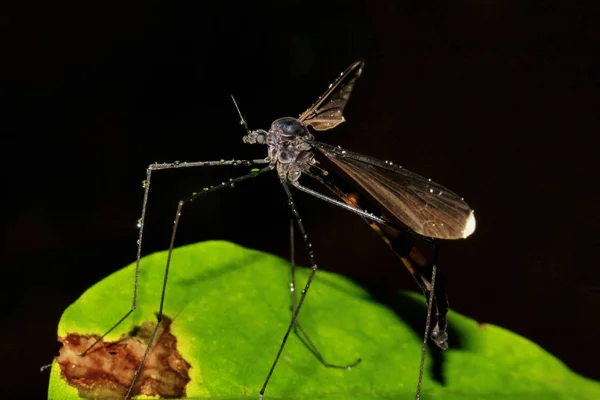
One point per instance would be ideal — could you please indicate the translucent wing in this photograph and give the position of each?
(327, 112)
(424, 206)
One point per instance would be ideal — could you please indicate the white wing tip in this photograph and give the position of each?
(470, 225)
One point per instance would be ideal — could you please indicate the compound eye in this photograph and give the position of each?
(289, 127)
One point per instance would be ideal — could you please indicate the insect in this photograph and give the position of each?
(406, 204)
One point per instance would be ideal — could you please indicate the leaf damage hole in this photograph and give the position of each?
(107, 370)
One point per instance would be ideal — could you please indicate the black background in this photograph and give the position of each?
(496, 100)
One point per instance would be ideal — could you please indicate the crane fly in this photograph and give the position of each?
(405, 204)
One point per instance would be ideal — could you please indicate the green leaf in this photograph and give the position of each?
(231, 306)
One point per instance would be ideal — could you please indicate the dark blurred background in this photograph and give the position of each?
(496, 100)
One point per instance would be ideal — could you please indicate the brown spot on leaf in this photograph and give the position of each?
(107, 370)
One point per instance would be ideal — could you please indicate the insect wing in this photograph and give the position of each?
(424, 206)
(327, 112)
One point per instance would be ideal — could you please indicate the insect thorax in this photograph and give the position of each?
(288, 147)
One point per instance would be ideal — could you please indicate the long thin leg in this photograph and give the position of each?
(340, 204)
(350, 206)
(439, 331)
(415, 263)
(427, 323)
(146, 186)
(441, 306)
(314, 267)
(180, 205)
(298, 327)
(411, 257)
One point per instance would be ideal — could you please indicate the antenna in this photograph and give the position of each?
(242, 120)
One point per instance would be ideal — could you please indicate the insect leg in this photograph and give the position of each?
(146, 186)
(410, 256)
(340, 204)
(314, 267)
(298, 327)
(180, 205)
(416, 265)
(438, 334)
